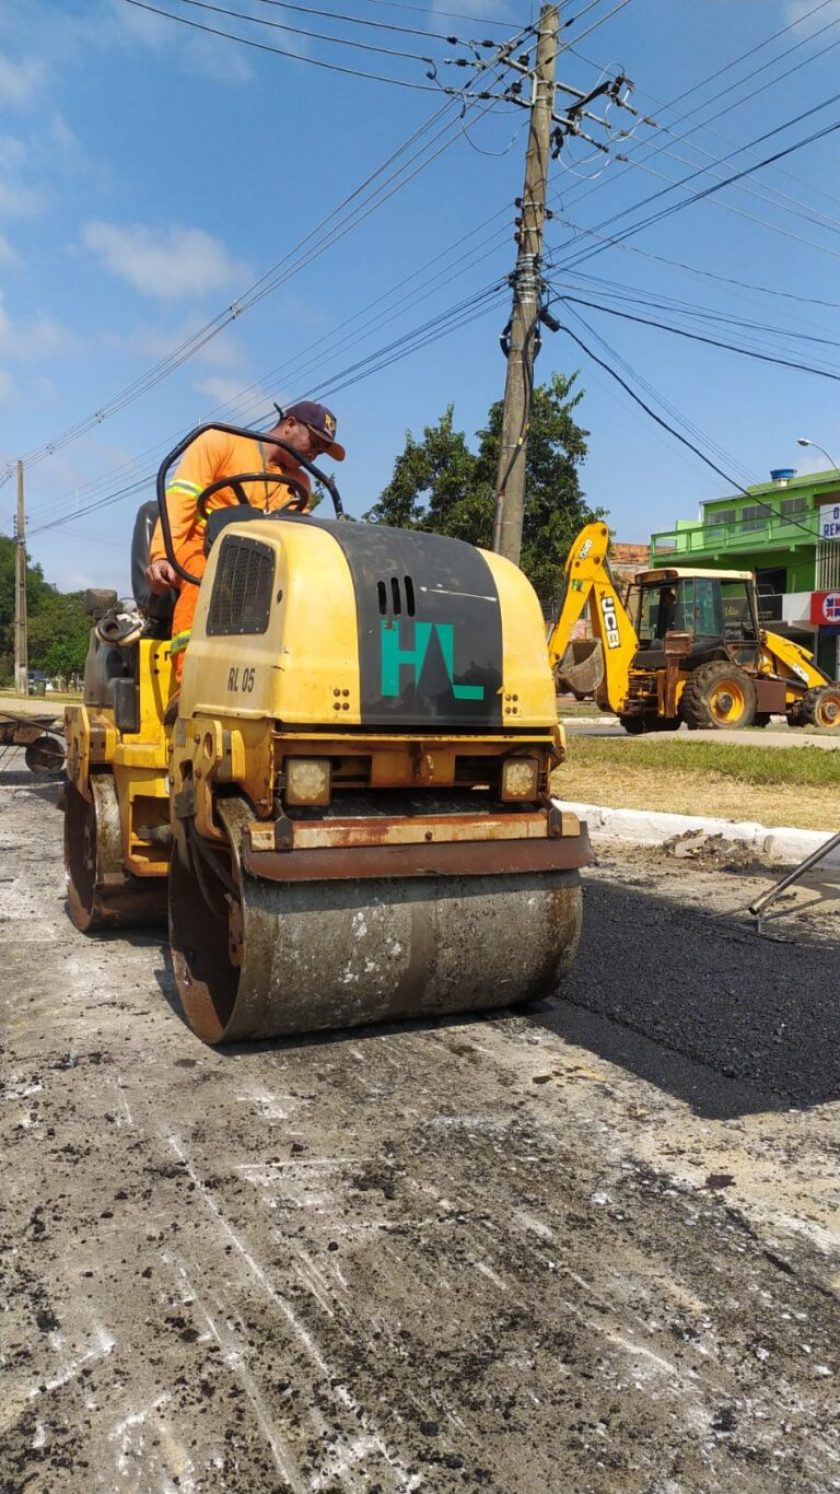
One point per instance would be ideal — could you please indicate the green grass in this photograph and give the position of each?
(750, 765)
(578, 708)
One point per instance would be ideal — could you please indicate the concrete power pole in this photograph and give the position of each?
(21, 635)
(510, 478)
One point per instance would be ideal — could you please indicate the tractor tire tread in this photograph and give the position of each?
(694, 705)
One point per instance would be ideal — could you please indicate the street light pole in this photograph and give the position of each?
(21, 634)
(803, 441)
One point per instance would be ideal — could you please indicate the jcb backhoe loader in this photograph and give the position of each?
(351, 817)
(687, 647)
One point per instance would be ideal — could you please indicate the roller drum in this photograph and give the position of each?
(281, 958)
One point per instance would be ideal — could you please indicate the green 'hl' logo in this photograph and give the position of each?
(395, 658)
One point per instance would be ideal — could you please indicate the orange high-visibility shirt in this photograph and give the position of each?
(212, 455)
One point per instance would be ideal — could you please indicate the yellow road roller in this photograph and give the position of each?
(349, 819)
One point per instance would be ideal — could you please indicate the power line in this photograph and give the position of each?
(442, 325)
(663, 402)
(677, 434)
(799, 21)
(247, 400)
(716, 186)
(277, 275)
(339, 41)
(334, 15)
(244, 403)
(333, 67)
(447, 15)
(634, 295)
(631, 160)
(731, 207)
(600, 22)
(628, 316)
(679, 264)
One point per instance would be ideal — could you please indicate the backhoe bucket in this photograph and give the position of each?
(581, 668)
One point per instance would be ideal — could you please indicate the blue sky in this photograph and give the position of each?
(150, 174)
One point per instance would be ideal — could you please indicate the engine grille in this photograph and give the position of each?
(241, 600)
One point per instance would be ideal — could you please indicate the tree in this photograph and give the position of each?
(57, 625)
(59, 633)
(441, 486)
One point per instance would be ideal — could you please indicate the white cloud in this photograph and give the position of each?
(217, 60)
(14, 153)
(497, 9)
(158, 342)
(208, 56)
(7, 253)
(19, 201)
(797, 10)
(167, 264)
(28, 342)
(221, 391)
(19, 82)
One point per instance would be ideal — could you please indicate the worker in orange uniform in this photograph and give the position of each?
(306, 427)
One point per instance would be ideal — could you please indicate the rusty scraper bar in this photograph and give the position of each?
(761, 904)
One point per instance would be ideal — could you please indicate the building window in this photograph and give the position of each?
(753, 516)
(721, 516)
(794, 506)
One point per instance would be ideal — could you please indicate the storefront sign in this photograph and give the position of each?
(829, 521)
(825, 608)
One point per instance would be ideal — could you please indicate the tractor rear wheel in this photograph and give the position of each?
(821, 707)
(45, 756)
(718, 696)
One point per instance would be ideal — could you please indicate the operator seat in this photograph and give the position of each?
(156, 609)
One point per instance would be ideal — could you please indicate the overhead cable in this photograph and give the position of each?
(442, 325)
(727, 477)
(664, 403)
(654, 149)
(705, 192)
(294, 260)
(247, 399)
(658, 301)
(730, 347)
(336, 15)
(340, 41)
(600, 22)
(679, 264)
(446, 15)
(333, 67)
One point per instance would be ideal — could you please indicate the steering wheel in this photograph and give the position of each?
(300, 493)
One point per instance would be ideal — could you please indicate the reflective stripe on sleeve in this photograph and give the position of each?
(180, 485)
(179, 642)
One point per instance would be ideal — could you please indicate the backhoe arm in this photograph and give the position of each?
(603, 667)
(584, 566)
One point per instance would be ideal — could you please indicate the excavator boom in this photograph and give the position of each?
(599, 665)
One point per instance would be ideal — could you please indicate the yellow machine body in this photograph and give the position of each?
(295, 689)
(737, 674)
(351, 812)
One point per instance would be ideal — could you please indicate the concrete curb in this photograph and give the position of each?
(649, 827)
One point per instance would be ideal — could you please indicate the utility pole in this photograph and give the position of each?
(519, 381)
(21, 635)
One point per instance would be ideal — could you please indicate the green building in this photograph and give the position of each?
(788, 532)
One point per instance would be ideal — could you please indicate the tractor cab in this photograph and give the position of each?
(697, 615)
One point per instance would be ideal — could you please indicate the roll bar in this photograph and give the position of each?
(230, 430)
